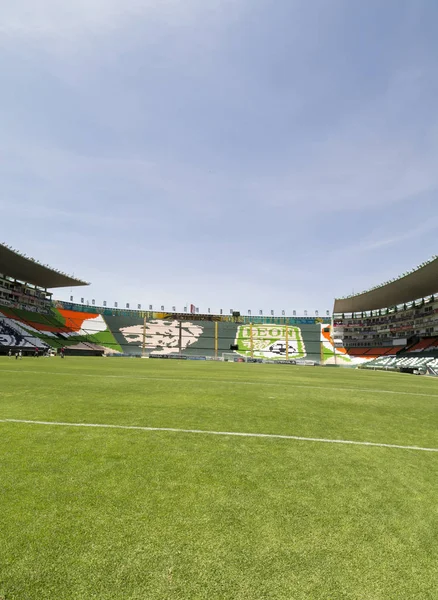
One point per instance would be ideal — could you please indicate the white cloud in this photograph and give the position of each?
(411, 230)
(170, 153)
(72, 17)
(66, 19)
(374, 158)
(369, 159)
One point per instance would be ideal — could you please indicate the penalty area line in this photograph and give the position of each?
(227, 433)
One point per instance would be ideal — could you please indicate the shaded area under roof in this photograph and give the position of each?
(418, 284)
(28, 270)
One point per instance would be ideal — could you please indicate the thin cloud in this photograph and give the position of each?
(50, 18)
(410, 234)
(239, 140)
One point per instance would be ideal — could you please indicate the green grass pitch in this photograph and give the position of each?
(108, 514)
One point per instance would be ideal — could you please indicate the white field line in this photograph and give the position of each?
(226, 381)
(230, 433)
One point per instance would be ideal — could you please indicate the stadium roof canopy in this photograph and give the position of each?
(419, 283)
(16, 265)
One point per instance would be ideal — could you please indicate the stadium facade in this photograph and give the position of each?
(392, 322)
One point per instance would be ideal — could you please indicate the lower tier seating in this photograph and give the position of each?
(373, 352)
(425, 344)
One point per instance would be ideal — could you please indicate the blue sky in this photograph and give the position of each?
(239, 154)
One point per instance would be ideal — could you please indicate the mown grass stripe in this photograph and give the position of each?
(326, 388)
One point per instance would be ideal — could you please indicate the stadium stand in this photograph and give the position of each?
(392, 319)
(161, 335)
(14, 335)
(372, 352)
(424, 344)
(403, 362)
(387, 326)
(30, 319)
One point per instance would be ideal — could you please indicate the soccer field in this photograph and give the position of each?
(189, 511)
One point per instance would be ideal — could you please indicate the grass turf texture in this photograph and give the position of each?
(125, 514)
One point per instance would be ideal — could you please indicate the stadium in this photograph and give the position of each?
(243, 468)
(392, 326)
